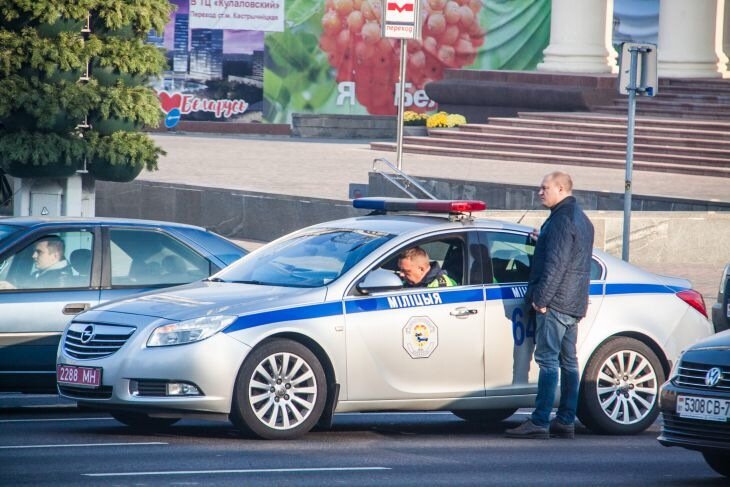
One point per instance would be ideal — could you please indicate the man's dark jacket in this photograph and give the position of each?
(561, 267)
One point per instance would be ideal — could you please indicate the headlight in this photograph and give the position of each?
(188, 331)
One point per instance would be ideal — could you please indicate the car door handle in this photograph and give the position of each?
(75, 308)
(463, 312)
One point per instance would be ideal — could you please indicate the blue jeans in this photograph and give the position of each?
(555, 341)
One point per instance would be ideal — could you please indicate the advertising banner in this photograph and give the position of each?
(264, 15)
(332, 57)
(215, 73)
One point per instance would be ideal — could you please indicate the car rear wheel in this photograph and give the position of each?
(620, 388)
(280, 391)
(142, 421)
(485, 416)
(719, 462)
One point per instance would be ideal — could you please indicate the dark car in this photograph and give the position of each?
(721, 309)
(695, 402)
(52, 269)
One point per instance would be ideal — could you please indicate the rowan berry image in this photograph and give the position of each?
(351, 38)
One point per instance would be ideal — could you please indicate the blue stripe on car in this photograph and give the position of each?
(424, 299)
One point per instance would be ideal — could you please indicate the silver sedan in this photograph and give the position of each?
(319, 322)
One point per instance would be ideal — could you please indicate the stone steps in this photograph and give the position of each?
(608, 125)
(581, 135)
(698, 153)
(685, 129)
(561, 159)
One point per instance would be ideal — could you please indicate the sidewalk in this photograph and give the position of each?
(324, 169)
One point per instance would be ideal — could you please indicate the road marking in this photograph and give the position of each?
(252, 470)
(31, 420)
(76, 445)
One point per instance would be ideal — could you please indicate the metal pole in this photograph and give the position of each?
(401, 96)
(629, 153)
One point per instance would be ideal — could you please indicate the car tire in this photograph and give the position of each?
(280, 391)
(484, 416)
(620, 388)
(719, 462)
(142, 421)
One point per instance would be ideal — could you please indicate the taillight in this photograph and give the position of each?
(694, 299)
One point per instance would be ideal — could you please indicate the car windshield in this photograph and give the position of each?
(311, 258)
(7, 230)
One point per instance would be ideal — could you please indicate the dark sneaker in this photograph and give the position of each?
(528, 429)
(561, 430)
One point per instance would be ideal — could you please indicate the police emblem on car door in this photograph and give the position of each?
(418, 342)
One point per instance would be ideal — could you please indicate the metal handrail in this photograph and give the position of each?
(403, 175)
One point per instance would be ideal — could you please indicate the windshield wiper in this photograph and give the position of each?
(214, 279)
(260, 283)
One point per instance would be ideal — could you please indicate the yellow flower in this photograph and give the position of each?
(436, 120)
(414, 118)
(454, 120)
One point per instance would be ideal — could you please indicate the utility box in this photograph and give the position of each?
(48, 197)
(45, 198)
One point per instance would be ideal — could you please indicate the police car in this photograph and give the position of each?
(318, 322)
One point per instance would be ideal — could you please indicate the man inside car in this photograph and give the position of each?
(417, 270)
(50, 269)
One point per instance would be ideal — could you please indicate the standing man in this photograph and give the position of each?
(558, 294)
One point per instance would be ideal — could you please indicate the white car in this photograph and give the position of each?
(317, 322)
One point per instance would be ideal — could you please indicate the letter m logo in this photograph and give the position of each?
(407, 7)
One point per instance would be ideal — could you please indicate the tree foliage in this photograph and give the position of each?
(60, 87)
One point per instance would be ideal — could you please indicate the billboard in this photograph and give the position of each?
(215, 73)
(332, 57)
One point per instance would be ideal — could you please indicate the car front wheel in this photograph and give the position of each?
(280, 391)
(620, 388)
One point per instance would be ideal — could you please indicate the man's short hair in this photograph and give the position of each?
(54, 243)
(563, 179)
(414, 253)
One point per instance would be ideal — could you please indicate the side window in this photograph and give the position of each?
(58, 260)
(433, 263)
(511, 256)
(151, 258)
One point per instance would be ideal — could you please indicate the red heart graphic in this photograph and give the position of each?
(168, 102)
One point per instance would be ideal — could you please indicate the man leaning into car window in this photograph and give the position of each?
(417, 270)
(50, 269)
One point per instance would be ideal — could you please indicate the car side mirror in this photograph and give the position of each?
(379, 280)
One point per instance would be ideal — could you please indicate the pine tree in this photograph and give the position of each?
(73, 87)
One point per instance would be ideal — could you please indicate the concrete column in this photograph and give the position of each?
(687, 39)
(725, 36)
(72, 194)
(580, 38)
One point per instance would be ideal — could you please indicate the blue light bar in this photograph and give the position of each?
(427, 206)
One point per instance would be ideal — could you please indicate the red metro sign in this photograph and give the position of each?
(401, 19)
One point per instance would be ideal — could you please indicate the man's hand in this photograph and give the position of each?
(534, 234)
(6, 285)
(542, 311)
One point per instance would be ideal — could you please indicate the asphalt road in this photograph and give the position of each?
(66, 446)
